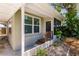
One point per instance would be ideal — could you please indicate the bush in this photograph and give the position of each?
(41, 52)
(71, 22)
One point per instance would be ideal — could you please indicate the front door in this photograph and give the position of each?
(48, 26)
(48, 29)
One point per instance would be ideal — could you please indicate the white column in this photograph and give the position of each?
(22, 29)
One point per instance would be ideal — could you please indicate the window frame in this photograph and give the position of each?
(33, 24)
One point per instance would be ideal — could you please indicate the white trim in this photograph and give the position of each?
(40, 26)
(32, 25)
(32, 16)
(22, 29)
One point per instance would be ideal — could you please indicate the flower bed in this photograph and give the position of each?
(33, 51)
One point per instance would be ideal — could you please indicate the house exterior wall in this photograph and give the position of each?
(32, 38)
(10, 35)
(46, 14)
(15, 37)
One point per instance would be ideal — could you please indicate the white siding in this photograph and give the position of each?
(32, 38)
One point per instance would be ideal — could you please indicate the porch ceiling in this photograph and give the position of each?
(42, 9)
(7, 10)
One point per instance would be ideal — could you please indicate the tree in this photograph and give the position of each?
(72, 22)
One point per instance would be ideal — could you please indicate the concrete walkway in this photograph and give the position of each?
(6, 50)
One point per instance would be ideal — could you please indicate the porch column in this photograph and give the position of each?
(52, 25)
(22, 28)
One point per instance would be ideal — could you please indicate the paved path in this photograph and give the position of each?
(7, 50)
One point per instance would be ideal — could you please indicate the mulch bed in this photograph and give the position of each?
(57, 51)
(73, 43)
(41, 41)
(70, 44)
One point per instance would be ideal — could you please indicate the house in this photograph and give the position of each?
(38, 19)
(26, 23)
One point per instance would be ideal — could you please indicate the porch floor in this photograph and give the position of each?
(6, 50)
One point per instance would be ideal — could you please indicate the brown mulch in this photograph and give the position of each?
(73, 43)
(70, 44)
(57, 51)
(41, 41)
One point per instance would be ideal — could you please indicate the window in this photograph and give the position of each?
(36, 21)
(57, 23)
(28, 24)
(36, 29)
(36, 25)
(32, 24)
(28, 20)
(2, 29)
(28, 29)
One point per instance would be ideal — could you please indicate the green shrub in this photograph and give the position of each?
(41, 52)
(58, 33)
